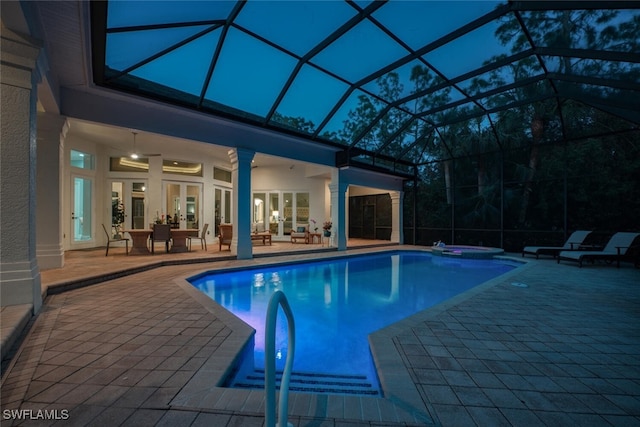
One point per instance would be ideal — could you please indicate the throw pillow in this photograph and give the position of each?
(300, 229)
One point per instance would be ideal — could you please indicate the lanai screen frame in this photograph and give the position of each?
(395, 139)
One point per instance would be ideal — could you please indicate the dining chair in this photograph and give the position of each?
(161, 233)
(111, 239)
(202, 238)
(226, 235)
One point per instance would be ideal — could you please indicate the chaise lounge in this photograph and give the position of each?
(616, 249)
(573, 243)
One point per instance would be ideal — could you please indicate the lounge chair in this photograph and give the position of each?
(616, 249)
(573, 243)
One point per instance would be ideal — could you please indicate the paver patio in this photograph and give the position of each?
(143, 350)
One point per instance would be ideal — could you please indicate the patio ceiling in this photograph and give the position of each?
(394, 84)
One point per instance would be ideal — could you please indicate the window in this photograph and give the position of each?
(181, 168)
(82, 160)
(127, 164)
(221, 174)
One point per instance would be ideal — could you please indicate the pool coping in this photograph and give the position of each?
(402, 401)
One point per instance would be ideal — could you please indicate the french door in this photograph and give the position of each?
(82, 211)
(221, 207)
(278, 212)
(182, 204)
(130, 196)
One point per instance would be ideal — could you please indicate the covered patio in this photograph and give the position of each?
(91, 266)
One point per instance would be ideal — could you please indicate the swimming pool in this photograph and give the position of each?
(337, 303)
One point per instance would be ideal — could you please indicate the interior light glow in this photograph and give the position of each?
(133, 164)
(181, 169)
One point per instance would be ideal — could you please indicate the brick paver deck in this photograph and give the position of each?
(144, 349)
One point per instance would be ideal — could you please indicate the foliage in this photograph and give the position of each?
(294, 123)
(117, 212)
(538, 161)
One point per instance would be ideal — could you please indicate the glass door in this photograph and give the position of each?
(266, 212)
(138, 206)
(81, 211)
(274, 214)
(182, 204)
(279, 212)
(259, 212)
(128, 206)
(221, 207)
(287, 209)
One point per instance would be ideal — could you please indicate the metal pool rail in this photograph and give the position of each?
(278, 298)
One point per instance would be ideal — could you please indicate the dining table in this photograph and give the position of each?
(179, 238)
(140, 238)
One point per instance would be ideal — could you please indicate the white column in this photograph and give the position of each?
(338, 188)
(52, 130)
(241, 179)
(19, 272)
(397, 234)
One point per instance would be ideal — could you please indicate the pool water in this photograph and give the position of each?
(337, 303)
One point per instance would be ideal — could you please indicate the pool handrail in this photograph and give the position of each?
(278, 298)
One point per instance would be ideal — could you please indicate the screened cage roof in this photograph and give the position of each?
(394, 84)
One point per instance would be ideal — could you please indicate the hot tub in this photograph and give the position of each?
(474, 252)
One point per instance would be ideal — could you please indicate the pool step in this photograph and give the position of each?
(312, 383)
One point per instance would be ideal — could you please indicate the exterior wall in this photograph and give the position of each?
(52, 129)
(262, 179)
(19, 273)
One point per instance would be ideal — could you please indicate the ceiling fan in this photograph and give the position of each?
(135, 154)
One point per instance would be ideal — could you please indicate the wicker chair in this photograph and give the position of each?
(300, 232)
(161, 233)
(225, 236)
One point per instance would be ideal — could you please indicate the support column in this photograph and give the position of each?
(338, 189)
(52, 130)
(397, 234)
(19, 273)
(241, 178)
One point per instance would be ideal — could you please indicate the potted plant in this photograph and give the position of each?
(327, 228)
(117, 217)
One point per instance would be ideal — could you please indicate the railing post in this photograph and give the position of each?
(278, 298)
